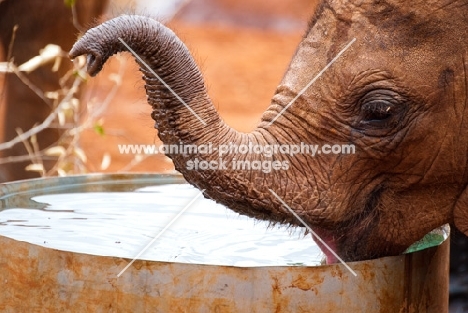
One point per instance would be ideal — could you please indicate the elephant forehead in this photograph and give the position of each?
(413, 21)
(403, 7)
(387, 36)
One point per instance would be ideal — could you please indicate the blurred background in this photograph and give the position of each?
(242, 47)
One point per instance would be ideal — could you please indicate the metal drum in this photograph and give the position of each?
(37, 277)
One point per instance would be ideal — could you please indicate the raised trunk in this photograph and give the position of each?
(190, 118)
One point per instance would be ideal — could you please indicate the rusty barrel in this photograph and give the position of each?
(37, 278)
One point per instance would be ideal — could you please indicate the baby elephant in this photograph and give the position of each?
(379, 88)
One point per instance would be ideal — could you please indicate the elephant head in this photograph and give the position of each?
(399, 95)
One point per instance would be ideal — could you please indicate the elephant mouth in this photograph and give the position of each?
(353, 239)
(327, 243)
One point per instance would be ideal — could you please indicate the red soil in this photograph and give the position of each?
(242, 67)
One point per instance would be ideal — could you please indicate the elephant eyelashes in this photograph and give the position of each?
(381, 108)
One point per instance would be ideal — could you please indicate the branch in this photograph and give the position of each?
(46, 123)
(30, 85)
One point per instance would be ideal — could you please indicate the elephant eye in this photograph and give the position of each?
(381, 108)
(377, 110)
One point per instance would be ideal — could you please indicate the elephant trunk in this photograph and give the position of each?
(185, 116)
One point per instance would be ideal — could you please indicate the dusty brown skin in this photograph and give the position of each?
(398, 94)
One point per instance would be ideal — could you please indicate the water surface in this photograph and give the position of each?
(122, 223)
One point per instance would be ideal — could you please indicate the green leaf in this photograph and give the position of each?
(98, 128)
(69, 3)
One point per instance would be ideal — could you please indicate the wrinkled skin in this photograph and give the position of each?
(39, 23)
(398, 94)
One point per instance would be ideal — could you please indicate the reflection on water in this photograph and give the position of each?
(122, 223)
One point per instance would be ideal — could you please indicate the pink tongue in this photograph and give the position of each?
(330, 257)
(326, 237)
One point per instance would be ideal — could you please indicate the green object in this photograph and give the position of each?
(430, 240)
(69, 3)
(99, 129)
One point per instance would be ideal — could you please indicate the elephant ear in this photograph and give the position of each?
(460, 212)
